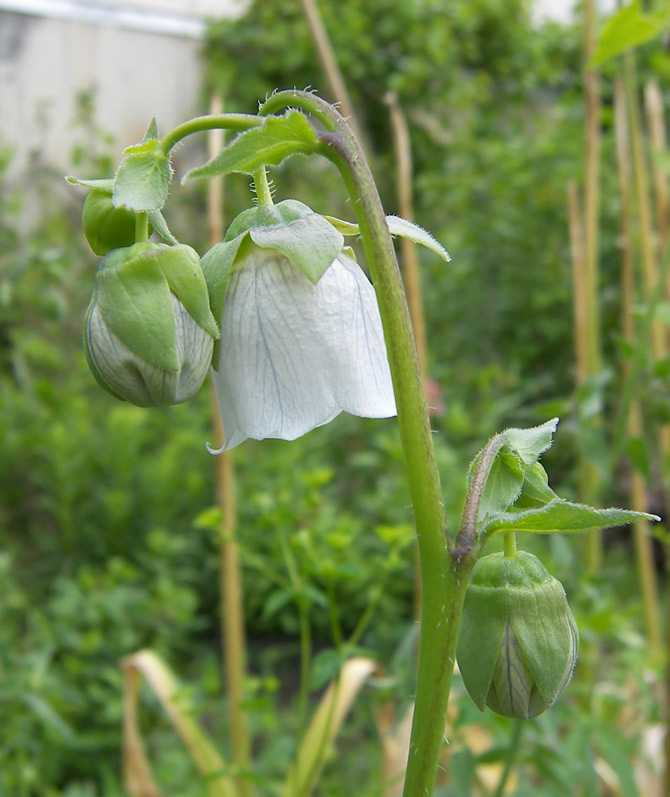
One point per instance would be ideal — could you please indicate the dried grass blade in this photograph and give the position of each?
(326, 722)
(137, 771)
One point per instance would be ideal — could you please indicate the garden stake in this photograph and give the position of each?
(639, 493)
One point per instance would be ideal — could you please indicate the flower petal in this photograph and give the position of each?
(293, 354)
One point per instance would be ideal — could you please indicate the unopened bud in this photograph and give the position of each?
(518, 642)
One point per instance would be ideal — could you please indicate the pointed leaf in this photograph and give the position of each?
(277, 138)
(559, 516)
(311, 243)
(407, 229)
(142, 181)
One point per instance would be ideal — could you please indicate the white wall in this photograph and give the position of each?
(45, 61)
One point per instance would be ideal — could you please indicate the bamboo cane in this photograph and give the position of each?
(230, 576)
(588, 472)
(627, 139)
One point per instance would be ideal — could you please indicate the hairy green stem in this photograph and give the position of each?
(443, 577)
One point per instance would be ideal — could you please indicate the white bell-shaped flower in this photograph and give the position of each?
(294, 354)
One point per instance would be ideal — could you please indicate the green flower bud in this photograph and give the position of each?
(149, 332)
(518, 642)
(106, 227)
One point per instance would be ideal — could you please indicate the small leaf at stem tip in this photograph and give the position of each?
(277, 138)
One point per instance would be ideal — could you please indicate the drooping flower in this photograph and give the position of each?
(301, 336)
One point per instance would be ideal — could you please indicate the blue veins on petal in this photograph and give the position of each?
(293, 354)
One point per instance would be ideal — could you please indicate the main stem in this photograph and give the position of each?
(443, 576)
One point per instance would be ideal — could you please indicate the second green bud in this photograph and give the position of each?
(518, 641)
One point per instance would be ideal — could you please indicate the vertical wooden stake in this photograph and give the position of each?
(230, 575)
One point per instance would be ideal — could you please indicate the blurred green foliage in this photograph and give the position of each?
(109, 535)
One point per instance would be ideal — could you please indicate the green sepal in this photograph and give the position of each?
(216, 268)
(106, 227)
(311, 244)
(130, 288)
(543, 624)
(306, 239)
(105, 184)
(157, 221)
(142, 181)
(277, 138)
(183, 271)
(481, 633)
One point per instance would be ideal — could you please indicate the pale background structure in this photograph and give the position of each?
(133, 59)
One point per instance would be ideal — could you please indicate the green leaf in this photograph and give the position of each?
(560, 516)
(397, 226)
(627, 28)
(311, 244)
(268, 145)
(142, 181)
(407, 229)
(105, 184)
(530, 444)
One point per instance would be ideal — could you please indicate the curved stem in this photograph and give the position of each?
(444, 578)
(217, 121)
